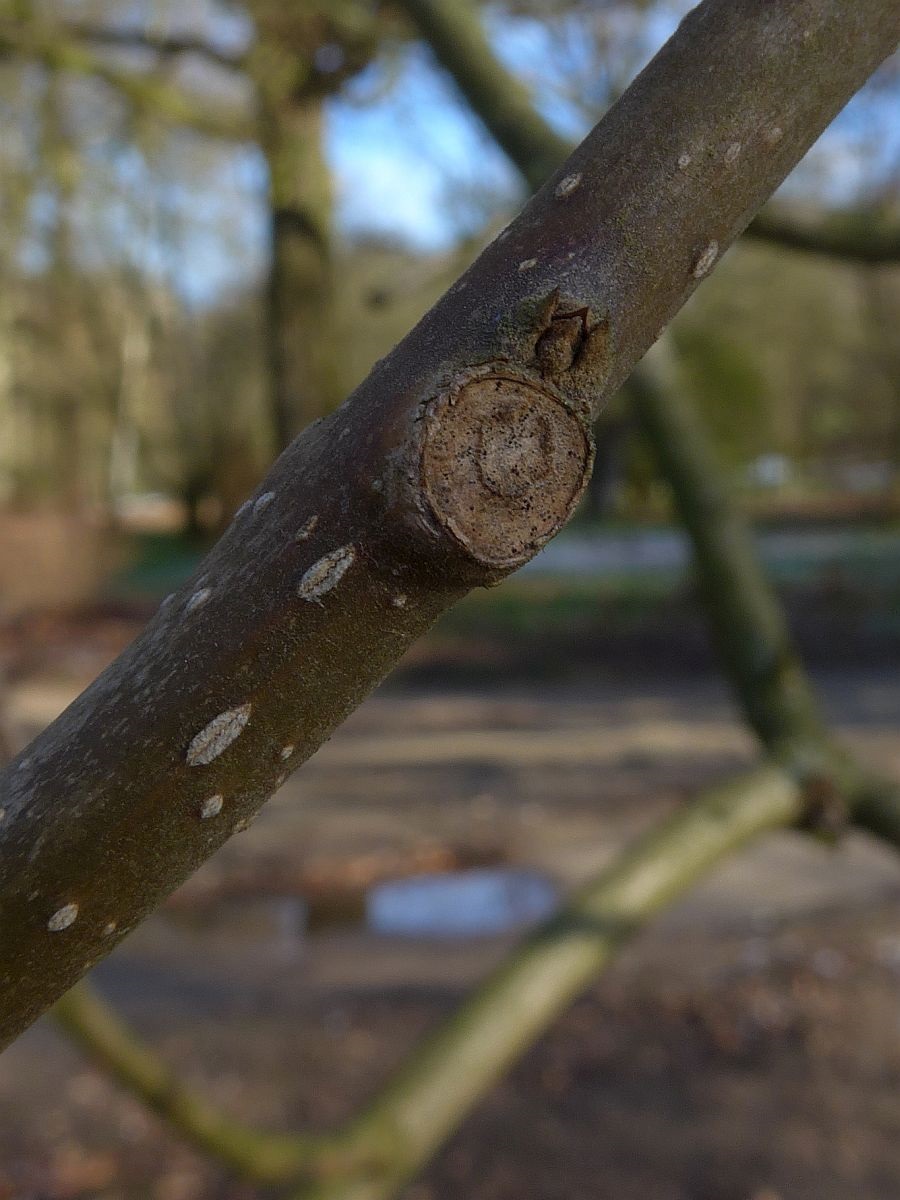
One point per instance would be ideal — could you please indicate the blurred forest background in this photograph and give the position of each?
(215, 216)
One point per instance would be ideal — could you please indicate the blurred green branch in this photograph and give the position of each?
(49, 45)
(164, 45)
(854, 237)
(377, 1152)
(453, 30)
(747, 621)
(93, 1024)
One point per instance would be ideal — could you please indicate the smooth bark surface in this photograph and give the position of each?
(356, 541)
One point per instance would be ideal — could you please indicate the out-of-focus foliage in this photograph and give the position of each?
(177, 285)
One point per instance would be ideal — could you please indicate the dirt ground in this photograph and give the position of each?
(744, 1048)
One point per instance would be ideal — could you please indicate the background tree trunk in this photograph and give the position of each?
(299, 301)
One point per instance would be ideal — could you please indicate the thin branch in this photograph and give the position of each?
(747, 620)
(453, 31)
(97, 1029)
(503, 103)
(146, 92)
(166, 46)
(464, 451)
(851, 240)
(441, 1081)
(468, 1053)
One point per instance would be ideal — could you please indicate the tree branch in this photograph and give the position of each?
(454, 462)
(262, 1157)
(502, 102)
(747, 620)
(166, 46)
(441, 1081)
(150, 95)
(467, 1054)
(445, 1077)
(453, 31)
(856, 240)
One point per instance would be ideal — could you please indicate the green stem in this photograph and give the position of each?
(444, 1078)
(747, 620)
(505, 105)
(455, 1067)
(97, 1029)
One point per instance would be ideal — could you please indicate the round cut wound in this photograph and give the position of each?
(503, 465)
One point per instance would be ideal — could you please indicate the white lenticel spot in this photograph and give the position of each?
(110, 928)
(281, 779)
(775, 134)
(263, 501)
(327, 573)
(217, 736)
(399, 601)
(306, 528)
(684, 160)
(211, 806)
(706, 260)
(63, 918)
(732, 152)
(527, 263)
(198, 599)
(287, 751)
(567, 186)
